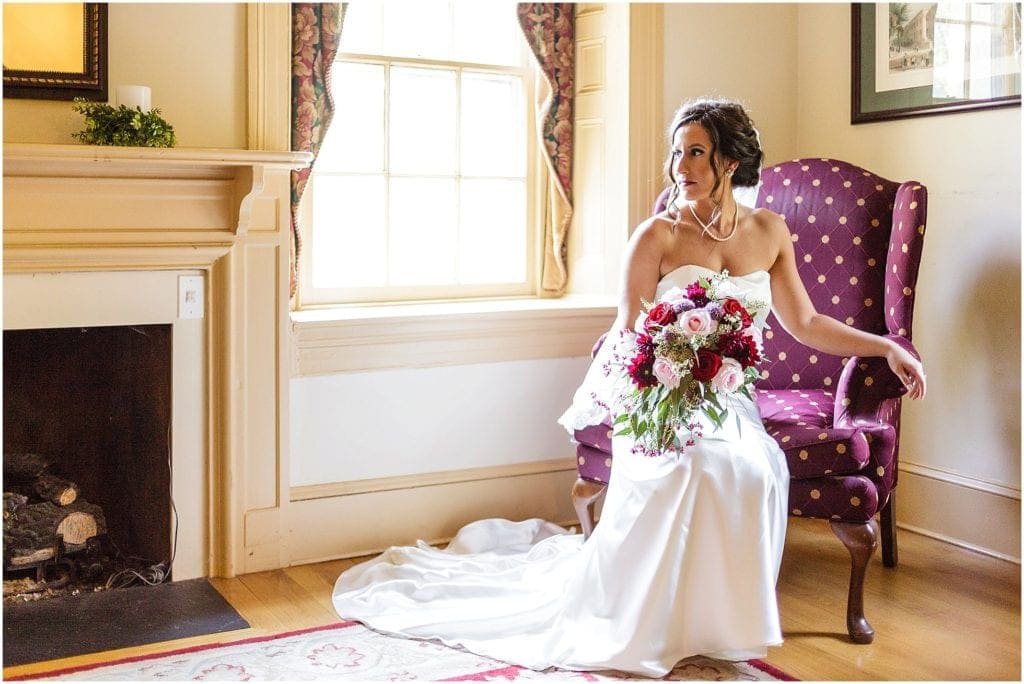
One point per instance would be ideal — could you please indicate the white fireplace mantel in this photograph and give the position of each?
(74, 208)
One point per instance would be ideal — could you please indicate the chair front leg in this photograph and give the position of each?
(860, 540)
(890, 551)
(584, 494)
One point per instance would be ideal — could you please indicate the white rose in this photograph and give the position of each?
(674, 296)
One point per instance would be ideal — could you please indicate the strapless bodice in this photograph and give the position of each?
(754, 286)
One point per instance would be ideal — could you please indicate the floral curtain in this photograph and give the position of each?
(316, 30)
(550, 30)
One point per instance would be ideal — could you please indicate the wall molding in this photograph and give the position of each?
(423, 336)
(968, 512)
(386, 484)
(370, 522)
(960, 479)
(269, 31)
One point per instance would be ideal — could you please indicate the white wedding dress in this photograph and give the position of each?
(683, 562)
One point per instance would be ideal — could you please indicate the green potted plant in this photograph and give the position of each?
(122, 125)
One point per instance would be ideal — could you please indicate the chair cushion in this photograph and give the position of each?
(801, 422)
(593, 464)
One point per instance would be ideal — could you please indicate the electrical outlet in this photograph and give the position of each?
(190, 297)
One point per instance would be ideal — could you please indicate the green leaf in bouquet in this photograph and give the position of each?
(621, 418)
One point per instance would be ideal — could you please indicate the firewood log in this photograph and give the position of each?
(77, 523)
(55, 489)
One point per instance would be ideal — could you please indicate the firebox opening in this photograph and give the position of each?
(94, 404)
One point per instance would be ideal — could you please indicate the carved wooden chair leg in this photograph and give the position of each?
(860, 539)
(584, 494)
(890, 552)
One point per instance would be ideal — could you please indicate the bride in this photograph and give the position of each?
(685, 559)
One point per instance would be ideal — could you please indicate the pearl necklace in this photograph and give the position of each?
(706, 227)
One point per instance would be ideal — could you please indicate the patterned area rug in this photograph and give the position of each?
(349, 651)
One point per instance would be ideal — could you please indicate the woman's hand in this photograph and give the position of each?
(908, 369)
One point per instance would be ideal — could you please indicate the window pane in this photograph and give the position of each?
(349, 240)
(487, 33)
(492, 232)
(417, 28)
(422, 247)
(492, 125)
(363, 28)
(355, 139)
(422, 120)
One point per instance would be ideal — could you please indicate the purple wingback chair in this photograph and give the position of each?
(858, 240)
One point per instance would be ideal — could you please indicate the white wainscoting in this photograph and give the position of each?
(966, 511)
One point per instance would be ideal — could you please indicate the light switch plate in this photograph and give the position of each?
(191, 296)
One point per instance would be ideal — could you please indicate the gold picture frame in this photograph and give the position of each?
(32, 77)
(921, 58)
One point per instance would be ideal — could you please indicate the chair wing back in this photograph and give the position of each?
(857, 239)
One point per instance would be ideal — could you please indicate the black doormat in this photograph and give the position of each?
(55, 628)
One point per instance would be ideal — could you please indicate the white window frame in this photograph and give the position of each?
(310, 297)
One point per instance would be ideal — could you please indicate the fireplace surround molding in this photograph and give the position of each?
(224, 214)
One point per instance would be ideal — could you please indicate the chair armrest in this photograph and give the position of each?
(866, 382)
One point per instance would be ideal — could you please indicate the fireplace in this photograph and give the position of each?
(100, 238)
(93, 404)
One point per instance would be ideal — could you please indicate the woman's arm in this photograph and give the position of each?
(796, 313)
(640, 272)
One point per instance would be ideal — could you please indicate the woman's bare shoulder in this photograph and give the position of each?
(657, 228)
(770, 224)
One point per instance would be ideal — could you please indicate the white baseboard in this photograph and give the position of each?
(360, 524)
(972, 513)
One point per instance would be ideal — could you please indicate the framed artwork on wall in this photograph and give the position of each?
(55, 51)
(917, 58)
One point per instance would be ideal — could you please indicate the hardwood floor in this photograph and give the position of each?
(945, 614)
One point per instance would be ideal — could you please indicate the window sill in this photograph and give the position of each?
(362, 338)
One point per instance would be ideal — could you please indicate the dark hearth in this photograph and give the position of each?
(87, 416)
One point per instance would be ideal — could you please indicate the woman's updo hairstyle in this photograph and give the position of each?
(732, 134)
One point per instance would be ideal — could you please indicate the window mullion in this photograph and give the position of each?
(458, 174)
(387, 172)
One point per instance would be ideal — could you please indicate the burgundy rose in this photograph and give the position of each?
(733, 306)
(741, 347)
(641, 370)
(697, 294)
(661, 314)
(706, 365)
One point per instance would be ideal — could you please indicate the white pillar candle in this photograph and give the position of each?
(133, 96)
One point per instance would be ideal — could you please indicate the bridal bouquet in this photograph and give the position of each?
(687, 351)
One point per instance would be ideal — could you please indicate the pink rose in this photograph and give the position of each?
(729, 377)
(696, 322)
(666, 373)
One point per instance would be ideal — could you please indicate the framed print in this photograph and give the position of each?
(917, 58)
(55, 50)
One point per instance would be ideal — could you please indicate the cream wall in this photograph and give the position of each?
(741, 51)
(192, 55)
(960, 470)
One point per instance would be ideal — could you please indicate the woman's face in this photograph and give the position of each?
(693, 162)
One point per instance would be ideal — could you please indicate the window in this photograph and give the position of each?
(422, 189)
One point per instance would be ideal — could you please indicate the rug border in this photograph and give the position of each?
(761, 665)
(181, 651)
(770, 669)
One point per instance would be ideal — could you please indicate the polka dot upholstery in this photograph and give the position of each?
(858, 240)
